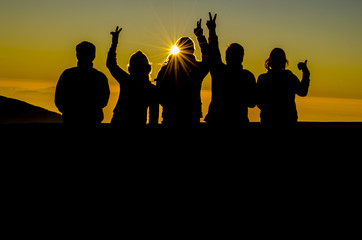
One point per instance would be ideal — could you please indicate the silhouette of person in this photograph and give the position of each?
(179, 82)
(277, 89)
(233, 87)
(137, 93)
(82, 92)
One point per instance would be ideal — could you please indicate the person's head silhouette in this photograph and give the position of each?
(277, 60)
(86, 52)
(186, 45)
(234, 54)
(139, 65)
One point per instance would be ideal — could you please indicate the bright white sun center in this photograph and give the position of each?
(175, 50)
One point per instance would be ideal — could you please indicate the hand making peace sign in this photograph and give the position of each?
(211, 23)
(115, 35)
(198, 30)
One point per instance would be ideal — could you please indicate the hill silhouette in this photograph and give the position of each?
(16, 111)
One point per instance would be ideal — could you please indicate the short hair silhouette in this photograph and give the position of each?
(277, 60)
(82, 92)
(86, 51)
(139, 64)
(185, 45)
(234, 54)
(233, 88)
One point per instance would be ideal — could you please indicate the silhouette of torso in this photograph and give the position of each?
(81, 94)
(233, 91)
(276, 96)
(135, 96)
(179, 85)
(134, 99)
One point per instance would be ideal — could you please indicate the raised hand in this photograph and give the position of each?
(211, 23)
(115, 35)
(303, 66)
(198, 30)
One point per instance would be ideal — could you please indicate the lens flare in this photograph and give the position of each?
(175, 50)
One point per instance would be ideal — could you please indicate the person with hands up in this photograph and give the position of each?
(277, 89)
(179, 82)
(233, 87)
(137, 94)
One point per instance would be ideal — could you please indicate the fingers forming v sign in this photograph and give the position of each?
(115, 35)
(211, 23)
(212, 19)
(198, 30)
(117, 31)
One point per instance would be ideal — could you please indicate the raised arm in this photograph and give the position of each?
(199, 32)
(213, 39)
(303, 87)
(118, 73)
(206, 59)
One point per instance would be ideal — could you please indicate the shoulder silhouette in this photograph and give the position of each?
(277, 89)
(82, 92)
(233, 87)
(137, 93)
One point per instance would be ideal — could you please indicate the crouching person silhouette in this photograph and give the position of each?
(82, 92)
(277, 89)
(233, 87)
(137, 93)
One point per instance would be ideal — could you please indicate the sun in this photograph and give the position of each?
(175, 50)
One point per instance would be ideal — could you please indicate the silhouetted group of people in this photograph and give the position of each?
(82, 92)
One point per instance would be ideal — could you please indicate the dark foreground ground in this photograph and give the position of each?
(314, 138)
(314, 143)
(60, 182)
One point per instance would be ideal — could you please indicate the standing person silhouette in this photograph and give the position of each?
(137, 93)
(277, 89)
(179, 82)
(233, 87)
(82, 92)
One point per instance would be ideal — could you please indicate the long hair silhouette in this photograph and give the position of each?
(179, 84)
(277, 60)
(277, 89)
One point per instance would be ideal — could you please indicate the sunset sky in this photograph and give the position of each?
(38, 40)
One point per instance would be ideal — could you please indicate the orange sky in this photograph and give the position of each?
(39, 37)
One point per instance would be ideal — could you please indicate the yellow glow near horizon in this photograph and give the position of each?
(30, 67)
(175, 50)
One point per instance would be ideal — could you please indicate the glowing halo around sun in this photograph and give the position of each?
(174, 50)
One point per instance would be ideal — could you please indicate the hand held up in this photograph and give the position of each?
(115, 35)
(211, 23)
(198, 30)
(303, 65)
